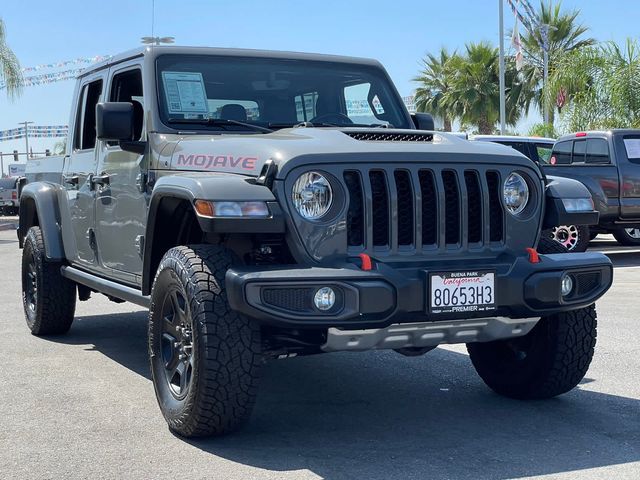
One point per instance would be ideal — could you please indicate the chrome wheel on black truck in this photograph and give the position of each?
(550, 360)
(627, 236)
(205, 357)
(49, 299)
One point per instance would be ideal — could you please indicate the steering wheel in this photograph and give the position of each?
(331, 118)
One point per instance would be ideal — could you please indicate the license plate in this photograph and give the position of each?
(461, 292)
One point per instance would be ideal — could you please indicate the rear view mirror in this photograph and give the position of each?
(423, 121)
(114, 121)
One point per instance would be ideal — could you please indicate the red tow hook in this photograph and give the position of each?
(367, 264)
(533, 255)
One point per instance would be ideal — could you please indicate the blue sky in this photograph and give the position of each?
(398, 33)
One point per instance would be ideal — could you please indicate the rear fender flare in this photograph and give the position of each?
(39, 205)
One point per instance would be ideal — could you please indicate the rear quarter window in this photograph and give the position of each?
(597, 151)
(561, 154)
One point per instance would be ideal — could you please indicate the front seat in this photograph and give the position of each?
(233, 111)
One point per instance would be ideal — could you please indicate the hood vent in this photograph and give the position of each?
(390, 136)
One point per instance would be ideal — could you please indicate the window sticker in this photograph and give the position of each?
(633, 147)
(185, 93)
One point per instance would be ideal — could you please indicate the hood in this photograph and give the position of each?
(247, 153)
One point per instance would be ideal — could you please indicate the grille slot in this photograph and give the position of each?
(429, 207)
(474, 206)
(380, 202)
(355, 214)
(451, 207)
(405, 194)
(587, 282)
(496, 222)
(434, 208)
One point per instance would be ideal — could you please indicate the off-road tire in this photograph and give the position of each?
(624, 238)
(549, 245)
(225, 354)
(49, 309)
(549, 361)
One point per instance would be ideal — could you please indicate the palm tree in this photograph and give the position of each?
(435, 84)
(565, 35)
(10, 73)
(474, 92)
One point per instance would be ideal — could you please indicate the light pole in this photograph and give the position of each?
(26, 136)
(501, 73)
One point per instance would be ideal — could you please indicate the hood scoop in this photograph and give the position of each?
(378, 136)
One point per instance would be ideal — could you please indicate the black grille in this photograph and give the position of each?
(380, 204)
(355, 214)
(423, 208)
(390, 137)
(587, 282)
(293, 299)
(405, 207)
(496, 223)
(474, 206)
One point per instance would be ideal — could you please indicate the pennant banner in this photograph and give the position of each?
(35, 131)
(66, 63)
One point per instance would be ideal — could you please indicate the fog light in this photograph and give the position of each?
(567, 285)
(325, 299)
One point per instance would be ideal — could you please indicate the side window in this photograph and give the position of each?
(306, 106)
(597, 151)
(127, 87)
(519, 146)
(561, 154)
(544, 153)
(85, 128)
(579, 149)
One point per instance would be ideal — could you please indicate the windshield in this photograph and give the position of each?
(273, 93)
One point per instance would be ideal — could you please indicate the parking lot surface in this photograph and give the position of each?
(83, 406)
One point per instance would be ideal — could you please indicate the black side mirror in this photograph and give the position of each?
(423, 121)
(114, 121)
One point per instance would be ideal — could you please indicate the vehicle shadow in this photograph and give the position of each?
(381, 415)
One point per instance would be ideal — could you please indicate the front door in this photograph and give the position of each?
(79, 167)
(121, 202)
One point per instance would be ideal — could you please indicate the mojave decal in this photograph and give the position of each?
(214, 162)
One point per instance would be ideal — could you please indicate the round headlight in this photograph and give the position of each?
(515, 193)
(312, 195)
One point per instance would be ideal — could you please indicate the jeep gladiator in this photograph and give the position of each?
(266, 205)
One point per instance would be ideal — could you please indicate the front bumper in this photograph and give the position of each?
(386, 295)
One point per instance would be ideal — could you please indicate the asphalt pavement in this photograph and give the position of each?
(82, 406)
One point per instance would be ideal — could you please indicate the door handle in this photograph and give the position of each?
(101, 180)
(71, 179)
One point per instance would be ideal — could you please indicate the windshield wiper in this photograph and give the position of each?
(334, 125)
(219, 122)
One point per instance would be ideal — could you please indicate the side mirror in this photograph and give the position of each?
(423, 121)
(114, 121)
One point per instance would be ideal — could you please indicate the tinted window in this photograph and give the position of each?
(544, 152)
(519, 146)
(85, 134)
(597, 151)
(561, 154)
(579, 149)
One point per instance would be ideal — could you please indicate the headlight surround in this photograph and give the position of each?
(515, 193)
(210, 209)
(312, 195)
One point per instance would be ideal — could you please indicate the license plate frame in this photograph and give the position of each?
(461, 284)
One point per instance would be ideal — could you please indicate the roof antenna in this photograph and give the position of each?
(153, 40)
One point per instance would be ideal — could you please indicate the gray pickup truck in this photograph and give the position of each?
(266, 205)
(9, 199)
(608, 163)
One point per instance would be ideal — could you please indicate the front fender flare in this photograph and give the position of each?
(558, 188)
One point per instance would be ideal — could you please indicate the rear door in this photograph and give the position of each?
(79, 166)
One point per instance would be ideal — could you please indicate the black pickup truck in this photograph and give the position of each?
(608, 163)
